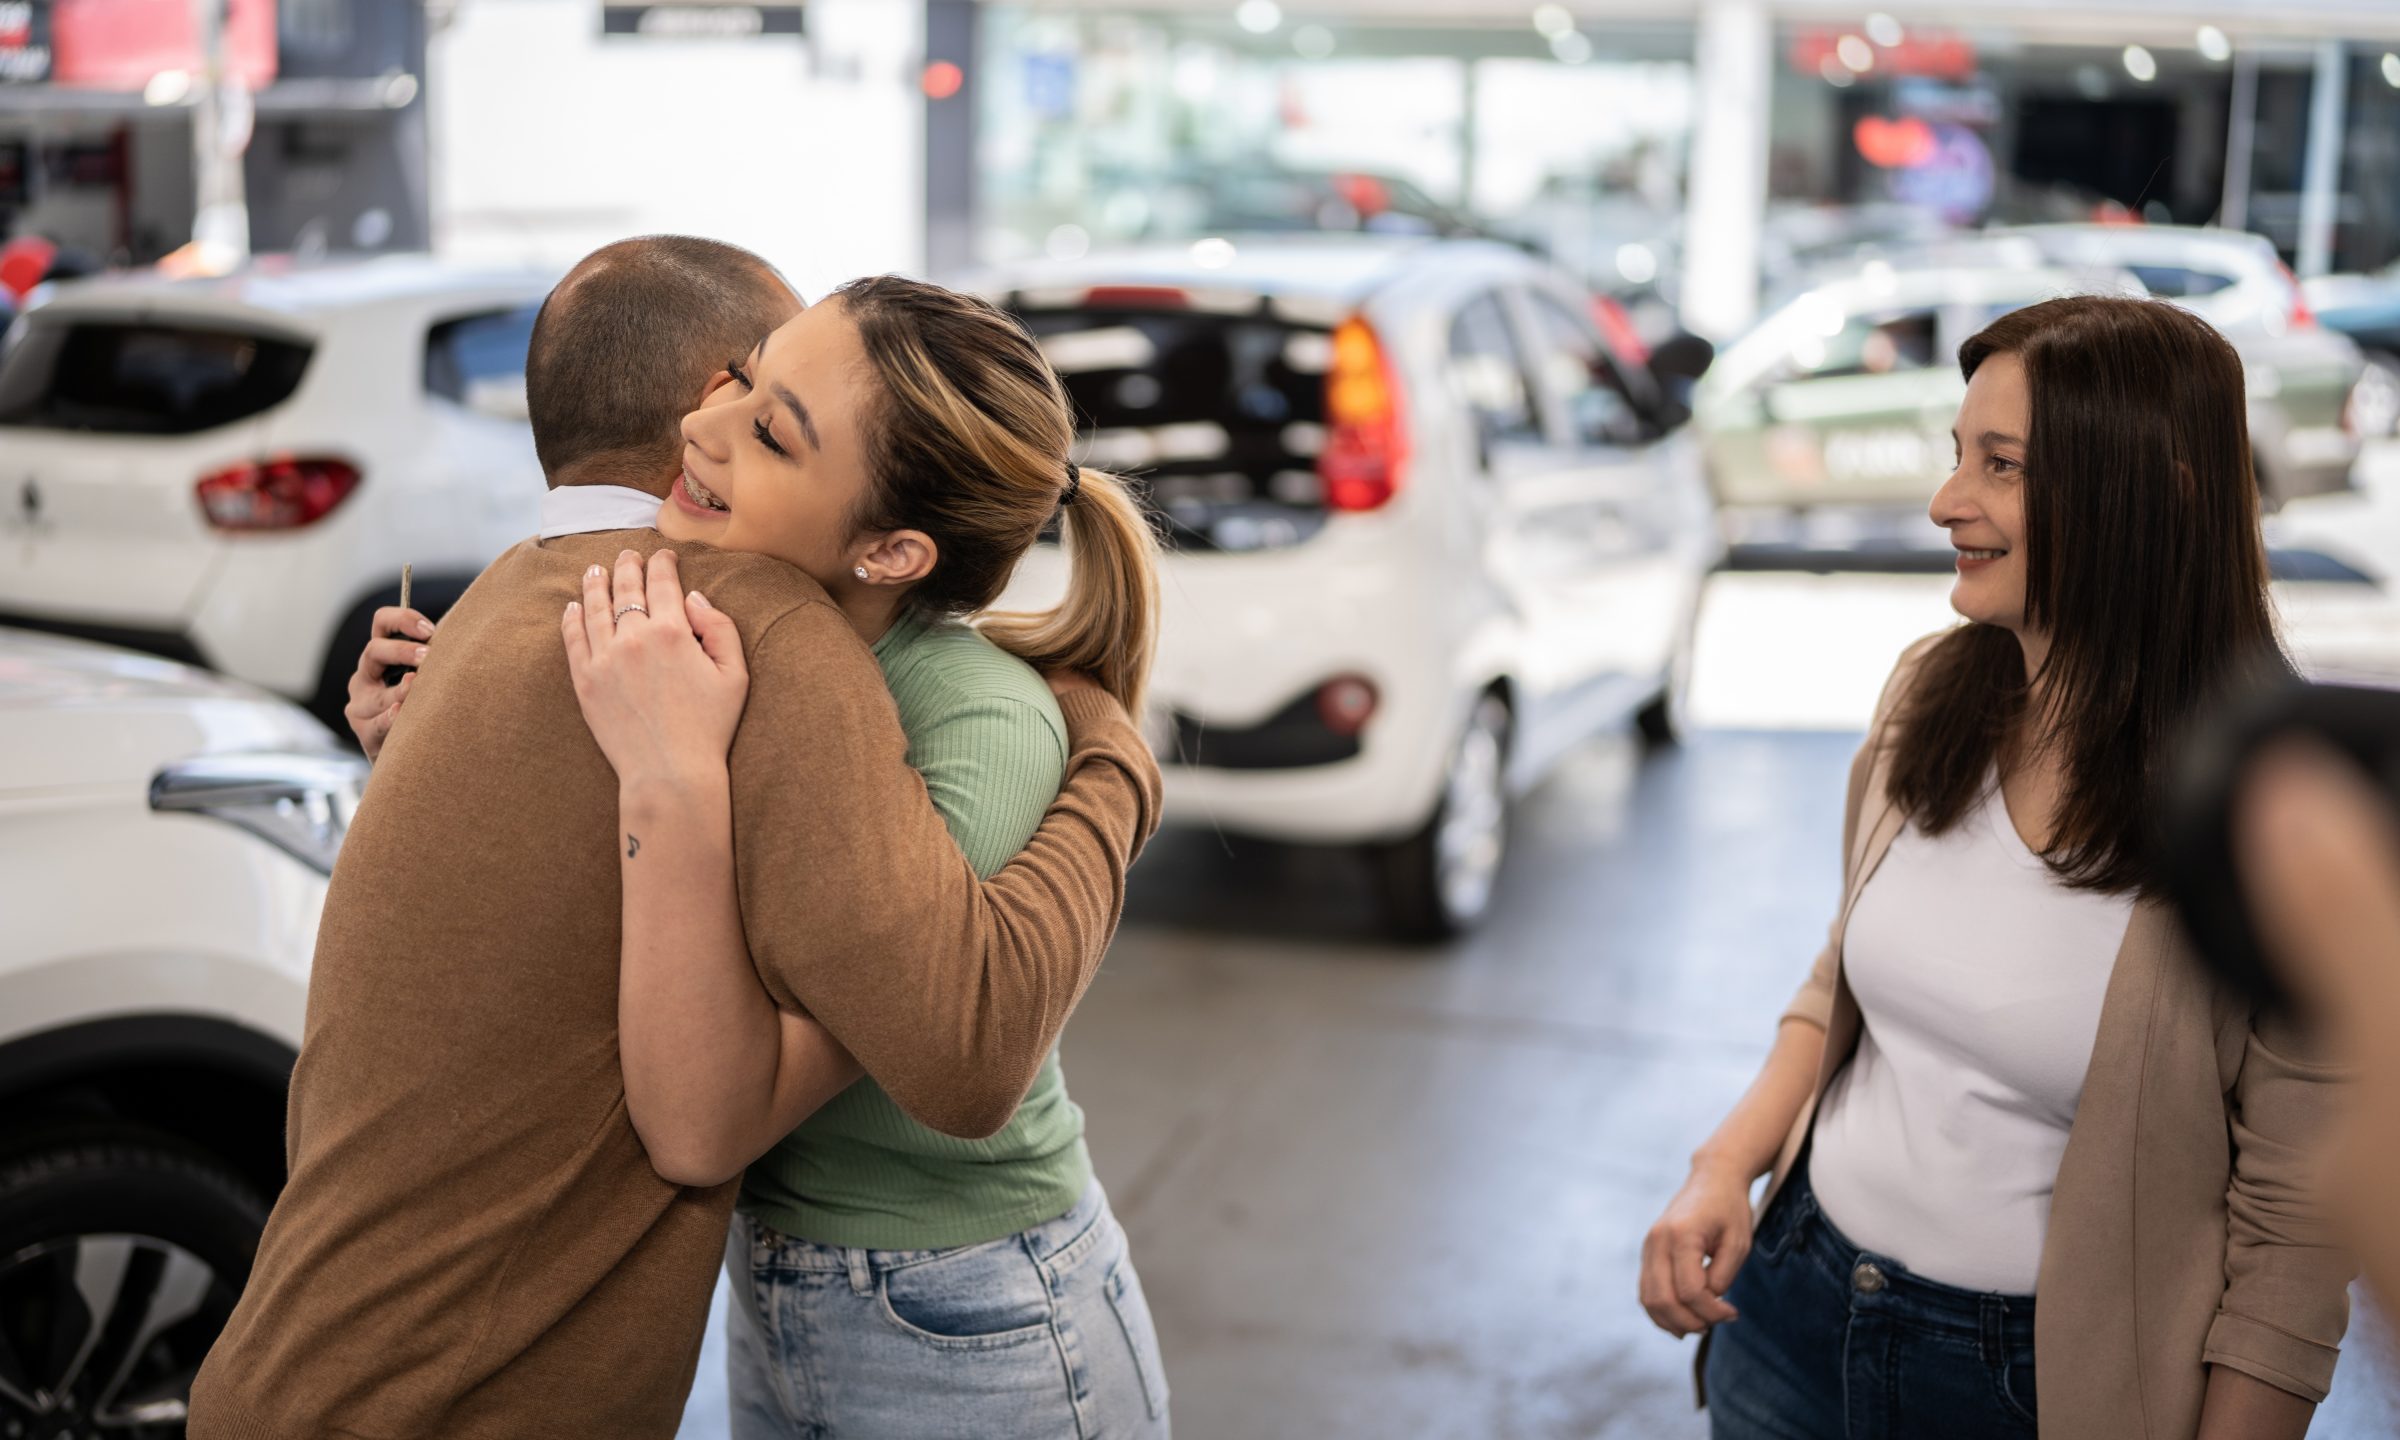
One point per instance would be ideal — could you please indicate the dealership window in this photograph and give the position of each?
(1097, 128)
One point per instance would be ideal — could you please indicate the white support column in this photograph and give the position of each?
(2321, 181)
(1726, 192)
(2241, 139)
(221, 125)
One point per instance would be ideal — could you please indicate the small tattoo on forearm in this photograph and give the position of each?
(633, 846)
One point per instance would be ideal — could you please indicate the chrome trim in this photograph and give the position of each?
(298, 801)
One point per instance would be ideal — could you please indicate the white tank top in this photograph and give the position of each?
(1980, 979)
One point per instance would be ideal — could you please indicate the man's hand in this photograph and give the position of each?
(397, 637)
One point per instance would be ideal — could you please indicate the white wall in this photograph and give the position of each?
(549, 139)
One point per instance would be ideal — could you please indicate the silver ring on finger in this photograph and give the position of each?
(625, 610)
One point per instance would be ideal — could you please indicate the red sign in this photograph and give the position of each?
(1945, 57)
(121, 44)
(1894, 144)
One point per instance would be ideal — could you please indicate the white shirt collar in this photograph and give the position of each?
(581, 509)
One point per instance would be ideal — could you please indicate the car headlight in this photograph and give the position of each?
(300, 802)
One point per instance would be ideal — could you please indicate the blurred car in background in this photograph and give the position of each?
(2367, 309)
(1189, 201)
(2304, 433)
(232, 472)
(1800, 245)
(1845, 396)
(165, 837)
(1431, 527)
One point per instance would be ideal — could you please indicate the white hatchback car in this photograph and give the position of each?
(165, 837)
(1433, 523)
(232, 472)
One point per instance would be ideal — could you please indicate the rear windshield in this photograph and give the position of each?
(1222, 416)
(135, 378)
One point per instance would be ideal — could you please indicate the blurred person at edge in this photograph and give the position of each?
(2008, 1076)
(2319, 851)
(486, 1234)
(903, 445)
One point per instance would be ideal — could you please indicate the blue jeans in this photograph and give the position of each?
(1838, 1343)
(1043, 1335)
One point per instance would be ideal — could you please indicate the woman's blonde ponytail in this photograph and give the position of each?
(970, 446)
(1107, 626)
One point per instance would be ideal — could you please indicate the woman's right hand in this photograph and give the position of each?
(659, 674)
(1691, 1255)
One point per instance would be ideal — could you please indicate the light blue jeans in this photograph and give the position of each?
(1040, 1336)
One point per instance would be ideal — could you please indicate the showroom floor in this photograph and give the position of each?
(1377, 1191)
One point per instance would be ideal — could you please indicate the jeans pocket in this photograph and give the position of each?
(982, 1297)
(2013, 1382)
(1132, 1308)
(1779, 1227)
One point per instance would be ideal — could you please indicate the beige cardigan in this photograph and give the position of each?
(2183, 1231)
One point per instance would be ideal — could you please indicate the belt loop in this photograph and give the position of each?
(1994, 1328)
(862, 1278)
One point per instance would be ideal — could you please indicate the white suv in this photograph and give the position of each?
(1434, 522)
(165, 837)
(232, 472)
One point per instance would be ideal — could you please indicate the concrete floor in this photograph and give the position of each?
(1378, 1191)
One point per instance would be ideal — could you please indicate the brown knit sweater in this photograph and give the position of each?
(472, 1243)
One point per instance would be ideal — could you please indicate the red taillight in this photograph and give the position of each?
(1346, 703)
(1136, 297)
(1617, 328)
(281, 494)
(1366, 445)
(2302, 317)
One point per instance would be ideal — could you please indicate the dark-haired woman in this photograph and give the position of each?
(904, 445)
(2015, 1133)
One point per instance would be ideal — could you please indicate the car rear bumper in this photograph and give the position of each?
(1275, 781)
(2312, 461)
(1345, 803)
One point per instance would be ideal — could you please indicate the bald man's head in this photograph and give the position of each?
(625, 344)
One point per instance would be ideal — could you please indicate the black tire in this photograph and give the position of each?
(1423, 882)
(133, 1235)
(1665, 718)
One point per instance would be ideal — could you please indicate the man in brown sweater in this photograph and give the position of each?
(473, 1245)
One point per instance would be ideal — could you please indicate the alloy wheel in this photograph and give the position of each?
(97, 1337)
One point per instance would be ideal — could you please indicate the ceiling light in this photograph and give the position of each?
(1259, 17)
(1553, 21)
(2391, 69)
(1856, 53)
(2214, 47)
(1883, 30)
(2140, 65)
(1572, 48)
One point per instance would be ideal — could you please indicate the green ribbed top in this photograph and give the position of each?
(986, 733)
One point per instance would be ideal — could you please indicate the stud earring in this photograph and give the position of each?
(860, 572)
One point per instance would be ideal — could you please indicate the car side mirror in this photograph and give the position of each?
(1680, 360)
(1676, 365)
